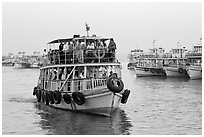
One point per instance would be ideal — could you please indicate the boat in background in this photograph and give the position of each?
(151, 63)
(175, 66)
(133, 58)
(8, 60)
(21, 61)
(36, 60)
(194, 67)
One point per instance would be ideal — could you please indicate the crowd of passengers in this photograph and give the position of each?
(77, 52)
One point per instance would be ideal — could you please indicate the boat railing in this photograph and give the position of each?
(176, 65)
(79, 56)
(87, 84)
(75, 84)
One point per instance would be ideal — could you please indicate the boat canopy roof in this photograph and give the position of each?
(78, 38)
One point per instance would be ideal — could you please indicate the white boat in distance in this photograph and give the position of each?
(194, 67)
(149, 67)
(82, 75)
(175, 67)
(21, 61)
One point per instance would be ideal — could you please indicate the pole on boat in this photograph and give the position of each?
(87, 29)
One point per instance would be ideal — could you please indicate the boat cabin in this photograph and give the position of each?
(80, 50)
(77, 77)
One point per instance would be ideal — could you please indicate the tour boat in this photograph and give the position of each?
(149, 67)
(81, 75)
(133, 58)
(194, 67)
(151, 63)
(175, 67)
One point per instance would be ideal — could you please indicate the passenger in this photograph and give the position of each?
(66, 46)
(61, 46)
(104, 75)
(112, 46)
(82, 75)
(104, 44)
(54, 75)
(111, 73)
(90, 46)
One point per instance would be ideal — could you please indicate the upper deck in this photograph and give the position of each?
(79, 50)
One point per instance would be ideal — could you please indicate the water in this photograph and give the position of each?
(155, 106)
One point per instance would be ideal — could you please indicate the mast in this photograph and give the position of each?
(87, 29)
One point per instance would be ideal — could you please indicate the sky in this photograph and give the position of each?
(29, 26)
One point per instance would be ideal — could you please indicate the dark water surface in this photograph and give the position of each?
(155, 106)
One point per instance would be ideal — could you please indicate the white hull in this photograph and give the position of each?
(140, 72)
(195, 72)
(101, 104)
(18, 66)
(174, 72)
(34, 65)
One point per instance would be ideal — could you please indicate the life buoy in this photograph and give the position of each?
(34, 91)
(55, 96)
(152, 70)
(67, 98)
(59, 97)
(46, 98)
(180, 70)
(97, 53)
(38, 95)
(158, 71)
(129, 64)
(125, 96)
(51, 97)
(146, 69)
(43, 96)
(115, 84)
(78, 98)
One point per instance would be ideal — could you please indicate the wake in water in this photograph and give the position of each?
(22, 100)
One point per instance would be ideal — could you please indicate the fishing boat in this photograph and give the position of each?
(151, 63)
(194, 66)
(81, 75)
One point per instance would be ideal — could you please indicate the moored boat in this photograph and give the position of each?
(35, 60)
(82, 75)
(194, 67)
(149, 67)
(175, 67)
(151, 63)
(21, 61)
(133, 58)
